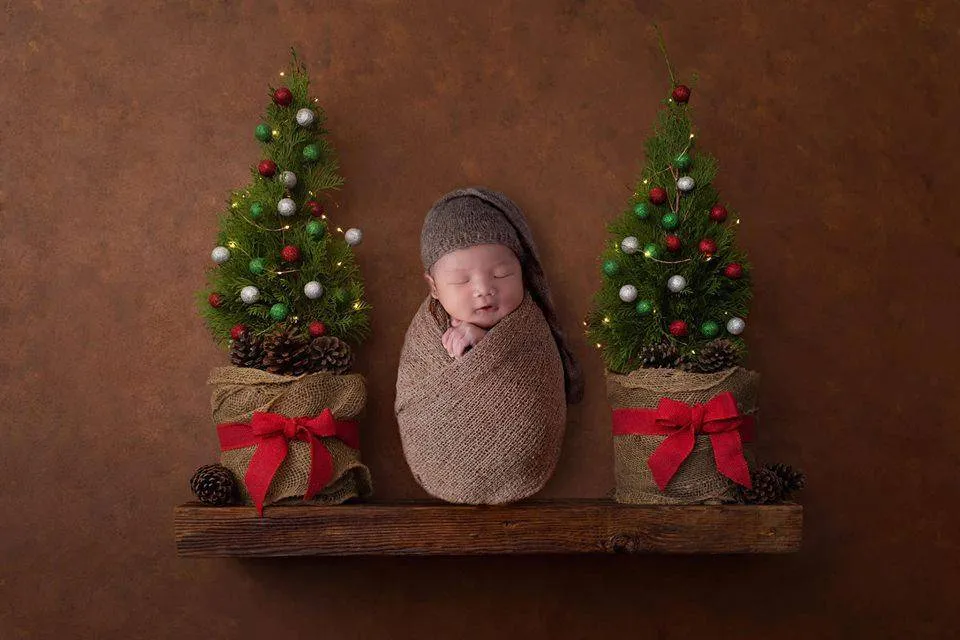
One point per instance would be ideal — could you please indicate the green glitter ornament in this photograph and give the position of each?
(651, 250)
(279, 312)
(316, 229)
(641, 210)
(670, 221)
(683, 162)
(311, 152)
(263, 133)
(611, 268)
(710, 329)
(257, 266)
(256, 210)
(644, 307)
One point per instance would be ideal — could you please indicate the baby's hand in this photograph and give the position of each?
(460, 337)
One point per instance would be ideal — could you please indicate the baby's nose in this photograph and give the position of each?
(483, 288)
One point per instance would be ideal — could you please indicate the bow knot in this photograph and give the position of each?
(301, 428)
(681, 422)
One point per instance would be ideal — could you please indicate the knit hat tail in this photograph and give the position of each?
(476, 215)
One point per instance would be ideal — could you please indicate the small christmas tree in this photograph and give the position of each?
(675, 288)
(284, 273)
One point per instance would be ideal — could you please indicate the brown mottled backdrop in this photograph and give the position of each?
(124, 125)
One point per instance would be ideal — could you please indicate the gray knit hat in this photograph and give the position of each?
(468, 217)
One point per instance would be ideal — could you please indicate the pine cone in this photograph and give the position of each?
(767, 488)
(791, 479)
(214, 484)
(329, 353)
(247, 351)
(717, 355)
(662, 355)
(286, 354)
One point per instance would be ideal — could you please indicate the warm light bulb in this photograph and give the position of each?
(339, 229)
(599, 346)
(323, 216)
(232, 244)
(275, 132)
(738, 221)
(234, 205)
(691, 135)
(356, 305)
(286, 227)
(606, 321)
(282, 74)
(339, 264)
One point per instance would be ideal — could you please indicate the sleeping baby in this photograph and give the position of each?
(485, 372)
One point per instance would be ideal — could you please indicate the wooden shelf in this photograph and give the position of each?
(549, 527)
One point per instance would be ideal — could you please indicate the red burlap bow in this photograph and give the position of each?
(681, 423)
(271, 433)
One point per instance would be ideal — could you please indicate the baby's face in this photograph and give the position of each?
(480, 284)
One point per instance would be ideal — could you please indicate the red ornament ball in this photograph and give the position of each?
(215, 300)
(290, 253)
(237, 331)
(718, 213)
(315, 208)
(708, 247)
(658, 195)
(681, 93)
(673, 243)
(283, 97)
(733, 271)
(317, 329)
(267, 168)
(678, 328)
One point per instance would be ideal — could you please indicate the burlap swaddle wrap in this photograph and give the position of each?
(487, 428)
(240, 391)
(697, 479)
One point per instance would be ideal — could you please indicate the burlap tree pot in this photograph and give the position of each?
(291, 437)
(682, 438)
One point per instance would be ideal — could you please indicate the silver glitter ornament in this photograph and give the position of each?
(287, 207)
(249, 294)
(220, 255)
(630, 245)
(735, 326)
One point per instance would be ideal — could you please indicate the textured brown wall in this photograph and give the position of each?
(124, 128)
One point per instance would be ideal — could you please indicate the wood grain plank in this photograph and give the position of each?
(549, 527)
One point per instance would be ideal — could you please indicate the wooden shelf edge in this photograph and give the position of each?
(430, 528)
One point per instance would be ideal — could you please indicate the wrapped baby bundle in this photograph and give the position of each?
(485, 428)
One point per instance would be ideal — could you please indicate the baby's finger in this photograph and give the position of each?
(454, 322)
